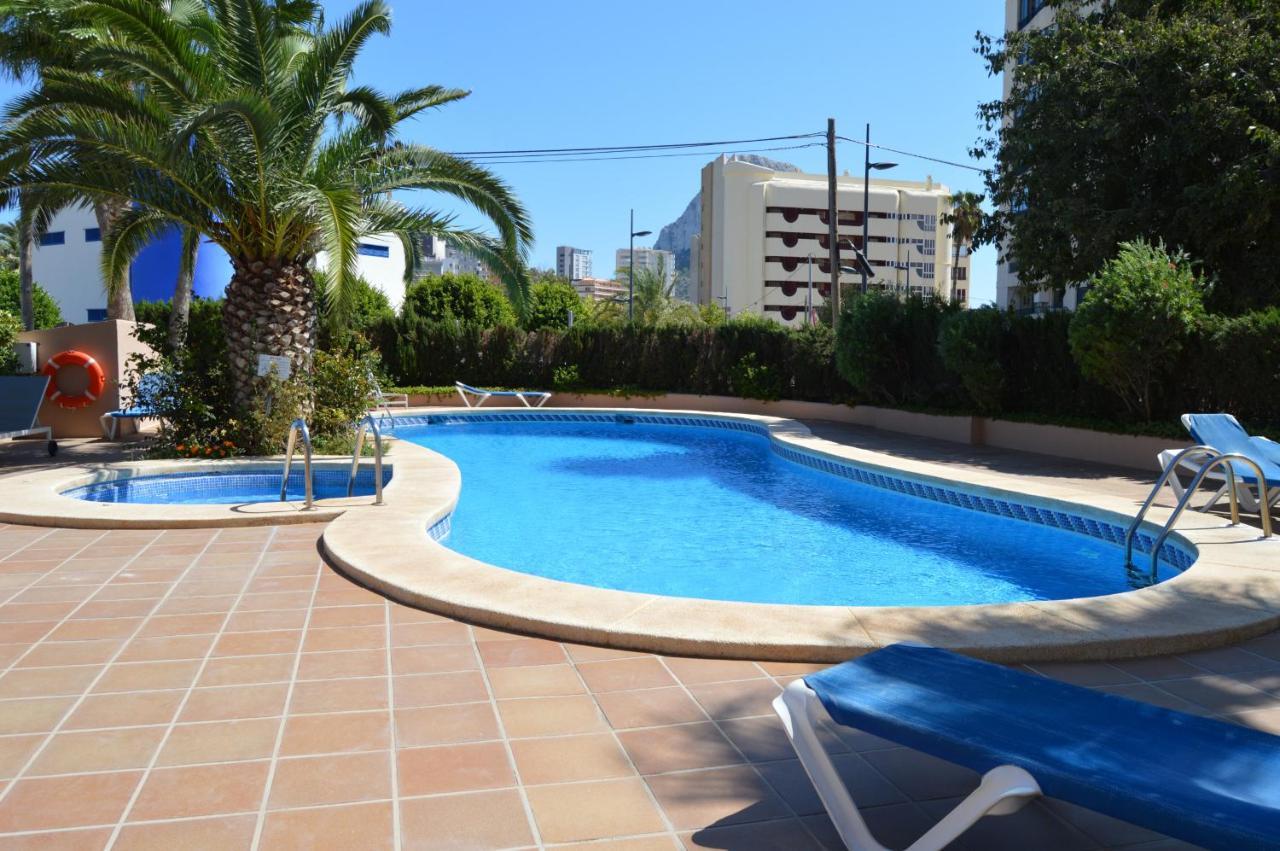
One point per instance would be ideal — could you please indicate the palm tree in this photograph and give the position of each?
(965, 218)
(275, 157)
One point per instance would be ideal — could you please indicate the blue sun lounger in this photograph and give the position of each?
(482, 395)
(1224, 434)
(1203, 781)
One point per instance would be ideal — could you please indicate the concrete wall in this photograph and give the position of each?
(110, 343)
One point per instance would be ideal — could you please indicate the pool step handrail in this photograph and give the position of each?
(369, 423)
(298, 427)
(1169, 470)
(1220, 460)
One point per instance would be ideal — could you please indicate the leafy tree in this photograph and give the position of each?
(465, 299)
(965, 219)
(1140, 312)
(1140, 119)
(275, 154)
(550, 302)
(10, 245)
(10, 325)
(45, 310)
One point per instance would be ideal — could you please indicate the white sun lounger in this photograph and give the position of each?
(20, 398)
(482, 395)
(1224, 433)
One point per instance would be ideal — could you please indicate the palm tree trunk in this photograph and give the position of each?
(180, 306)
(26, 275)
(119, 298)
(270, 309)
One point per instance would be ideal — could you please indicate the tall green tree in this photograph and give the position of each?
(277, 155)
(1153, 119)
(965, 218)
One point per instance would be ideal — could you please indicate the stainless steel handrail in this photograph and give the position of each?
(1168, 471)
(1231, 487)
(371, 424)
(298, 427)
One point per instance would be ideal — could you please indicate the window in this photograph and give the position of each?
(1027, 10)
(370, 249)
(56, 237)
(92, 235)
(97, 314)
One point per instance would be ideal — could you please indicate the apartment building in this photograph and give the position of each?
(573, 263)
(600, 289)
(653, 259)
(763, 230)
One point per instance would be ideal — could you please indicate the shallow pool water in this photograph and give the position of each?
(701, 512)
(226, 487)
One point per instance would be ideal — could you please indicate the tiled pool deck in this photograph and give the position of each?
(225, 689)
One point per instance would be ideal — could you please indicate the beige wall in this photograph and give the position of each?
(110, 343)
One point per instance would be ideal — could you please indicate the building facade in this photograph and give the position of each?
(765, 231)
(573, 263)
(653, 259)
(600, 289)
(437, 257)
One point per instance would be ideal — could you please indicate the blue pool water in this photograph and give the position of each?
(224, 488)
(701, 512)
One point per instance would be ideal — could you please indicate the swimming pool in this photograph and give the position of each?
(228, 487)
(711, 509)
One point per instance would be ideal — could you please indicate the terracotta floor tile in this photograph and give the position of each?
(346, 638)
(258, 643)
(867, 786)
(434, 660)
(587, 653)
(99, 750)
(474, 822)
(88, 630)
(15, 751)
(147, 676)
(655, 842)
(921, 776)
(656, 750)
(566, 759)
(125, 710)
(447, 632)
(45, 655)
(356, 827)
(737, 700)
(352, 595)
(33, 715)
(92, 839)
(521, 651)
(47, 682)
(34, 612)
(27, 632)
(340, 779)
(1219, 693)
(114, 609)
(246, 670)
(766, 836)
(625, 674)
(444, 725)
(338, 733)
(439, 689)
(166, 648)
(339, 695)
(536, 681)
(168, 625)
(150, 591)
(201, 790)
(550, 716)
(348, 616)
(695, 671)
(254, 621)
(41, 803)
(342, 664)
(220, 833)
(220, 741)
(651, 708)
(618, 808)
(197, 605)
(696, 799)
(453, 768)
(227, 702)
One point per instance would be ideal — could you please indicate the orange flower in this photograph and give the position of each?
(227, 443)
(181, 448)
(209, 451)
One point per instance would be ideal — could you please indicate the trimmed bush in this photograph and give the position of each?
(887, 349)
(463, 299)
(970, 343)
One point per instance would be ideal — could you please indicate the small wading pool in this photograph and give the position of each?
(228, 487)
(711, 509)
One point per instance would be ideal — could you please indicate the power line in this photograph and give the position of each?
(610, 149)
(518, 160)
(910, 154)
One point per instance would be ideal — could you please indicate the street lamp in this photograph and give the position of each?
(631, 275)
(862, 264)
(867, 166)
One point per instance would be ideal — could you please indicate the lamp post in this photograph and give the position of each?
(867, 166)
(631, 275)
(860, 258)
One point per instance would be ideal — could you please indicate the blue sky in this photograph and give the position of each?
(574, 73)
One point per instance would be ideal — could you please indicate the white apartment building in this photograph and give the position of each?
(653, 259)
(600, 289)
(762, 228)
(573, 263)
(437, 257)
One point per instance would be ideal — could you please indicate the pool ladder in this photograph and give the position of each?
(1216, 459)
(298, 427)
(367, 424)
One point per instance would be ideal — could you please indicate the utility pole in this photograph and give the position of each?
(832, 232)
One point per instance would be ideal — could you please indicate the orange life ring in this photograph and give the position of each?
(97, 379)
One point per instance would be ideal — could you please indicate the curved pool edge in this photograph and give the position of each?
(38, 498)
(1230, 594)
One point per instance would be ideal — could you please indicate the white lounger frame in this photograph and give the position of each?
(1191, 463)
(1003, 790)
(482, 395)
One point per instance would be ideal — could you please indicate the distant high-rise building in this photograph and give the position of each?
(573, 263)
(438, 257)
(653, 259)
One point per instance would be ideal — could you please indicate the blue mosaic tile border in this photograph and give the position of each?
(441, 528)
(191, 487)
(1174, 555)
